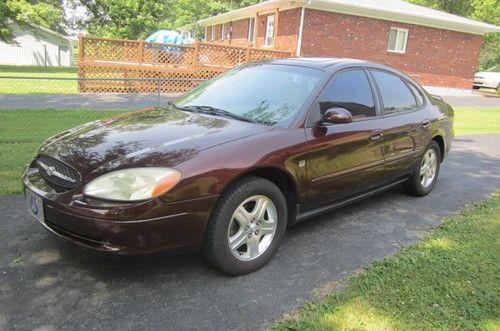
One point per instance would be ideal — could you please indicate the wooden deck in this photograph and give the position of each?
(121, 58)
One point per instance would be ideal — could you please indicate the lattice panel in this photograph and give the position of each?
(188, 78)
(258, 54)
(111, 50)
(130, 59)
(223, 56)
(165, 54)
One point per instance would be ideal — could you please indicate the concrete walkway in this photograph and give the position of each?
(134, 101)
(48, 283)
(84, 100)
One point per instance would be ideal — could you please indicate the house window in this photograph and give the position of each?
(269, 30)
(223, 31)
(251, 30)
(398, 39)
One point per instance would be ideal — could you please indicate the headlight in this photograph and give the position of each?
(133, 184)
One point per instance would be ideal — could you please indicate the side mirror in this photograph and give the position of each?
(337, 115)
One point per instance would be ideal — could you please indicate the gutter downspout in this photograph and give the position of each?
(301, 28)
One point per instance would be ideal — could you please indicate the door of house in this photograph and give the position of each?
(269, 30)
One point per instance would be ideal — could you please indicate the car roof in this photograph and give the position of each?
(331, 64)
(318, 62)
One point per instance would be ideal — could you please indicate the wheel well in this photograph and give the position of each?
(440, 142)
(284, 183)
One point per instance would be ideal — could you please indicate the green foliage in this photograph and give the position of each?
(482, 10)
(23, 130)
(48, 14)
(17, 86)
(449, 281)
(472, 120)
(135, 19)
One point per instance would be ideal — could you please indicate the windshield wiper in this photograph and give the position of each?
(215, 111)
(188, 108)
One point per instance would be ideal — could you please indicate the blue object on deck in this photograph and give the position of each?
(167, 37)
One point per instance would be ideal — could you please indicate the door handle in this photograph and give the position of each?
(376, 135)
(426, 124)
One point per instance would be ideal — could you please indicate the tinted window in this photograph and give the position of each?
(416, 92)
(266, 93)
(350, 90)
(396, 95)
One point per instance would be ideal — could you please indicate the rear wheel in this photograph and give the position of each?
(424, 178)
(246, 226)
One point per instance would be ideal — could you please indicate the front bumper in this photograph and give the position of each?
(146, 227)
(486, 83)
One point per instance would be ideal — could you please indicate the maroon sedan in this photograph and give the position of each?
(231, 164)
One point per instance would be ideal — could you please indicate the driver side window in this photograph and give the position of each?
(349, 90)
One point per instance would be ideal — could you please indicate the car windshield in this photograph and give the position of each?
(265, 93)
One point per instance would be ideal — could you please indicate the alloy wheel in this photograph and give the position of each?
(428, 168)
(252, 228)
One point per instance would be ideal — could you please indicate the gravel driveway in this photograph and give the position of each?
(47, 282)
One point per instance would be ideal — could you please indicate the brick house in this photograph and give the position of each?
(436, 48)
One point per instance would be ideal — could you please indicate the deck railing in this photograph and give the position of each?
(114, 58)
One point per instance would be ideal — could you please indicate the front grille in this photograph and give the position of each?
(58, 173)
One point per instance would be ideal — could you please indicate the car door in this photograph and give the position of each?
(406, 122)
(344, 159)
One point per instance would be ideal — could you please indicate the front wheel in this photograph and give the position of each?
(246, 226)
(424, 178)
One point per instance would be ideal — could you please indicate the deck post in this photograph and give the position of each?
(141, 51)
(81, 48)
(196, 53)
(247, 54)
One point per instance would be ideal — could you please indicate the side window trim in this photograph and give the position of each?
(417, 90)
(375, 98)
(379, 106)
(382, 107)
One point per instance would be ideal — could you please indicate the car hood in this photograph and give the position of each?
(162, 137)
(488, 74)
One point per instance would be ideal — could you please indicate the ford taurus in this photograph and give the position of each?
(228, 166)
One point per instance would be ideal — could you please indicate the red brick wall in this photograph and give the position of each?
(218, 29)
(433, 56)
(288, 29)
(239, 36)
(208, 36)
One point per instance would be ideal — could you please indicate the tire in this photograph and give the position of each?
(422, 184)
(254, 237)
(476, 87)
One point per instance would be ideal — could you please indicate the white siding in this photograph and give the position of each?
(36, 47)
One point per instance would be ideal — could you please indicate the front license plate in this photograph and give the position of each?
(35, 206)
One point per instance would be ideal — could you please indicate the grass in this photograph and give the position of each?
(451, 280)
(23, 130)
(9, 86)
(469, 120)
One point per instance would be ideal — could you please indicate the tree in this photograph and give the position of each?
(482, 10)
(136, 19)
(49, 14)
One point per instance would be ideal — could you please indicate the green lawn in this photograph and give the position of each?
(9, 86)
(469, 120)
(449, 281)
(23, 130)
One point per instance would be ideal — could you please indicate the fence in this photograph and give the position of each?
(185, 65)
(155, 85)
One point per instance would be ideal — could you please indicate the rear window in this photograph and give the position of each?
(396, 95)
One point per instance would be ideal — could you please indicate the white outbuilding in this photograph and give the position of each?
(37, 46)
